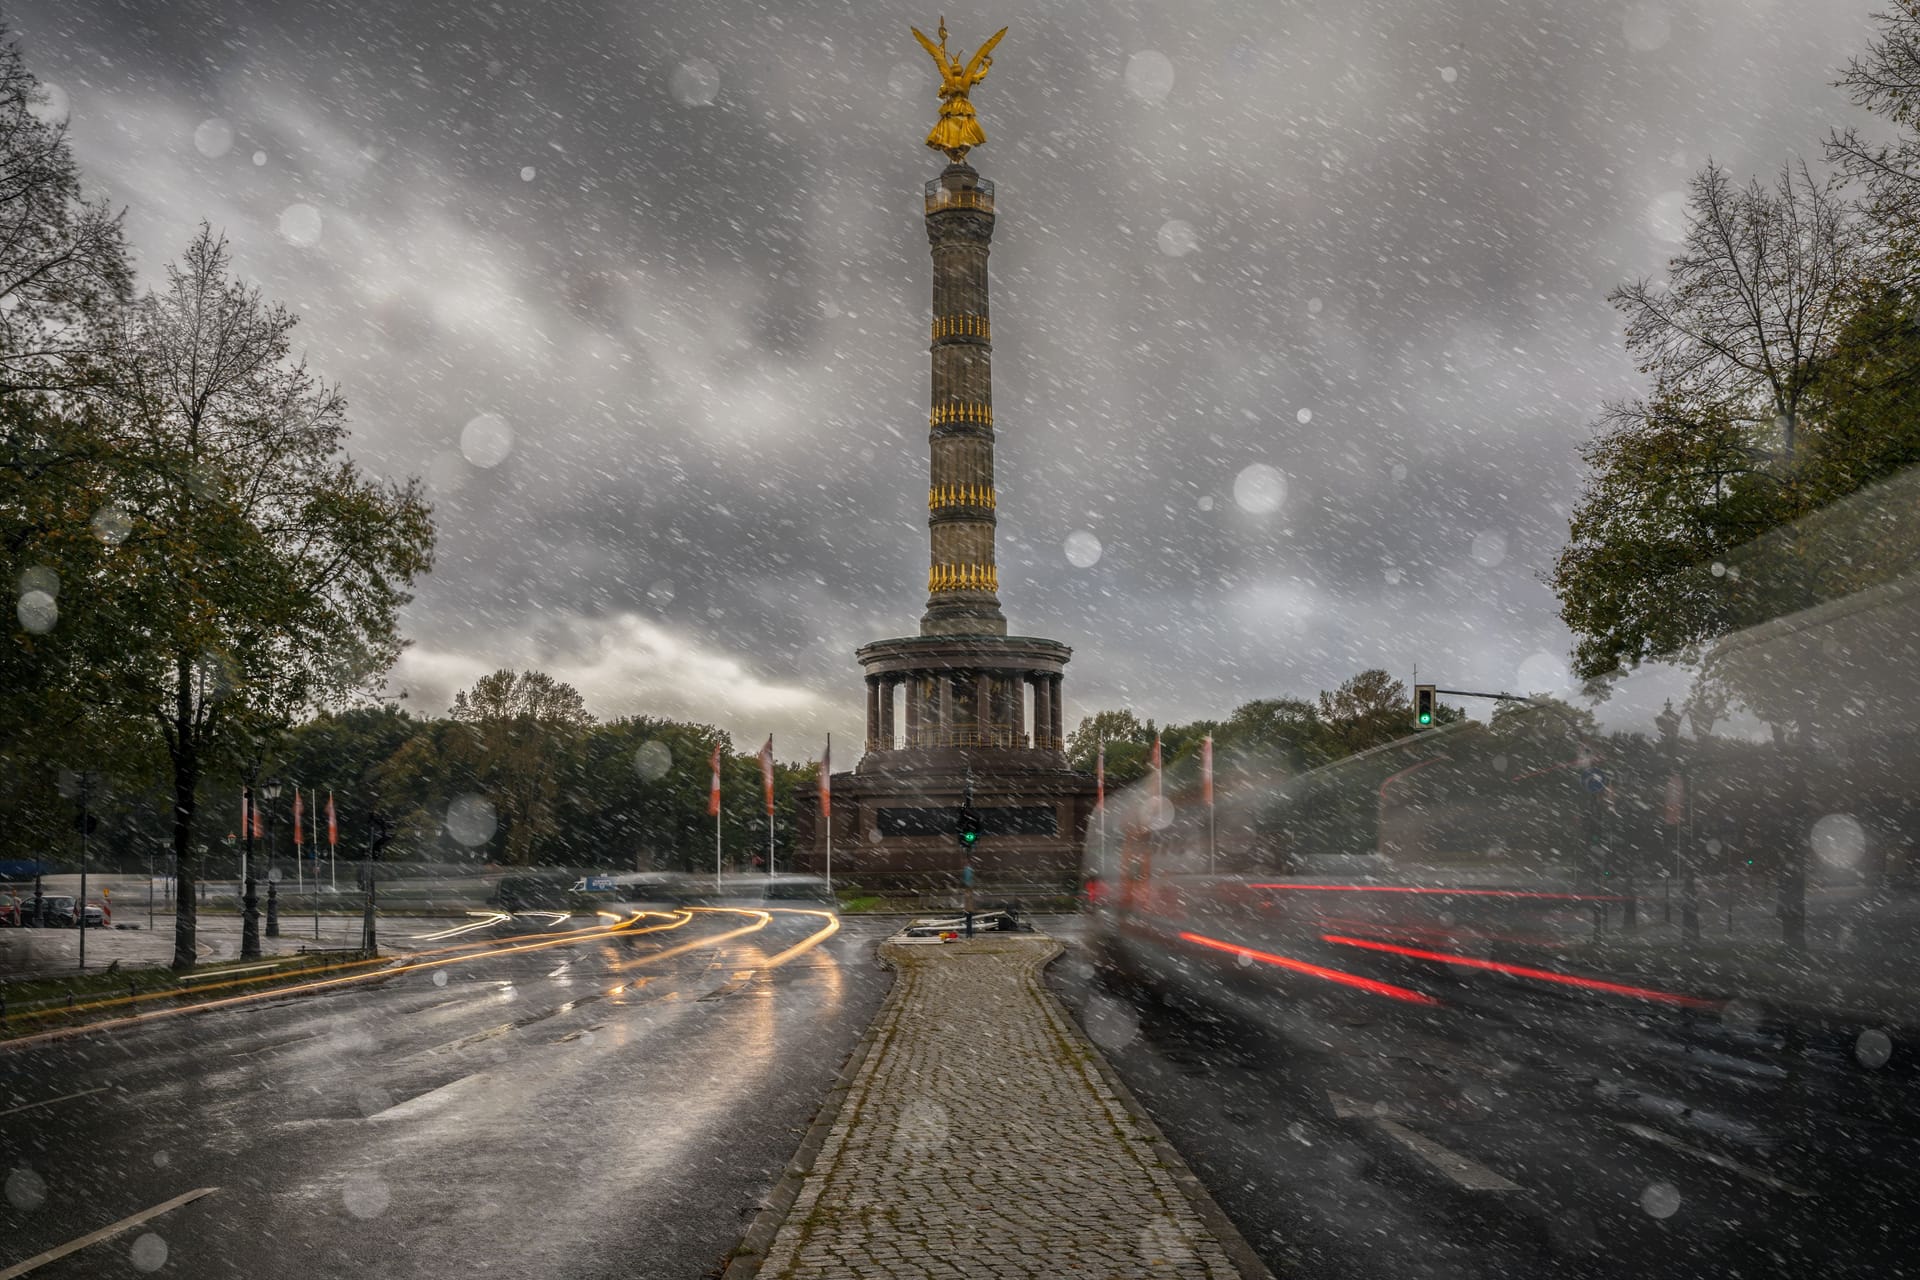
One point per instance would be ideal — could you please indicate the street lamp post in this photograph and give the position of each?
(249, 896)
(270, 791)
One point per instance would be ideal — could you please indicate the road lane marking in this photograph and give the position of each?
(47, 1102)
(1463, 1172)
(431, 1100)
(1728, 1163)
(95, 1237)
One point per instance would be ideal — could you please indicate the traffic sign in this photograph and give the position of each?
(1595, 780)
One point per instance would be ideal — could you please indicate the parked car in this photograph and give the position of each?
(60, 912)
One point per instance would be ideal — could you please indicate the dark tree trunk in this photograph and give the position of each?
(186, 859)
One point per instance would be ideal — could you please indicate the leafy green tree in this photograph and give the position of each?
(262, 572)
(521, 731)
(1735, 340)
(63, 261)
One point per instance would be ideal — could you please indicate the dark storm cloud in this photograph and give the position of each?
(675, 250)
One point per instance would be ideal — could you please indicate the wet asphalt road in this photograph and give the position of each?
(1507, 1134)
(616, 1107)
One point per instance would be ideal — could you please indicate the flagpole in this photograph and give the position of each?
(1208, 746)
(826, 810)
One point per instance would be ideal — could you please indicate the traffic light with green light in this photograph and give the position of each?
(968, 827)
(1423, 705)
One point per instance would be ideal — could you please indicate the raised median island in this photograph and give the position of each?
(977, 1133)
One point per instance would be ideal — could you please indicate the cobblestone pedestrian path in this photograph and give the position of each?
(979, 1139)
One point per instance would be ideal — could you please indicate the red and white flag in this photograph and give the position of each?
(1155, 765)
(245, 815)
(1206, 769)
(766, 772)
(1100, 776)
(259, 822)
(298, 815)
(826, 779)
(713, 796)
(333, 823)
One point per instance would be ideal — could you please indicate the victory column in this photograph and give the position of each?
(962, 712)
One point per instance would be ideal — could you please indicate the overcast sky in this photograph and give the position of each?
(641, 289)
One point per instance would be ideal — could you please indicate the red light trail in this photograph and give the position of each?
(1318, 971)
(1523, 971)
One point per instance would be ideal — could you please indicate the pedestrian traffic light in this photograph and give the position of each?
(968, 827)
(1423, 705)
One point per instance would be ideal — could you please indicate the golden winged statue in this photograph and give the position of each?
(959, 128)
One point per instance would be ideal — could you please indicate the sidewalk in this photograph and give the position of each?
(980, 1136)
(37, 953)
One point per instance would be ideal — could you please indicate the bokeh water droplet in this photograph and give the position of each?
(213, 138)
(1149, 76)
(1259, 489)
(1873, 1048)
(300, 225)
(486, 440)
(37, 612)
(26, 1190)
(695, 83)
(471, 820)
(366, 1195)
(1176, 238)
(1660, 1199)
(149, 1252)
(652, 760)
(1083, 549)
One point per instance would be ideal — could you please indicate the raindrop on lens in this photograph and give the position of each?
(366, 1196)
(471, 820)
(1176, 238)
(1303, 417)
(439, 977)
(26, 1190)
(149, 1252)
(1315, 306)
(53, 106)
(1873, 1048)
(1149, 76)
(695, 83)
(1083, 549)
(486, 440)
(1259, 489)
(527, 173)
(652, 760)
(1646, 26)
(213, 138)
(1719, 570)
(300, 225)
(1838, 840)
(259, 158)
(111, 524)
(38, 612)
(661, 593)
(1449, 74)
(1489, 548)
(1205, 503)
(1660, 1200)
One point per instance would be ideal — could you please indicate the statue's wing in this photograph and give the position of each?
(974, 71)
(939, 54)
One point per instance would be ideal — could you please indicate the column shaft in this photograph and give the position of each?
(873, 712)
(886, 712)
(1054, 710)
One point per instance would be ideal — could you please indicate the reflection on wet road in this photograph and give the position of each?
(519, 1097)
(1506, 1125)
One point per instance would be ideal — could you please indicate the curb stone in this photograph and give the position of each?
(743, 1262)
(1238, 1251)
